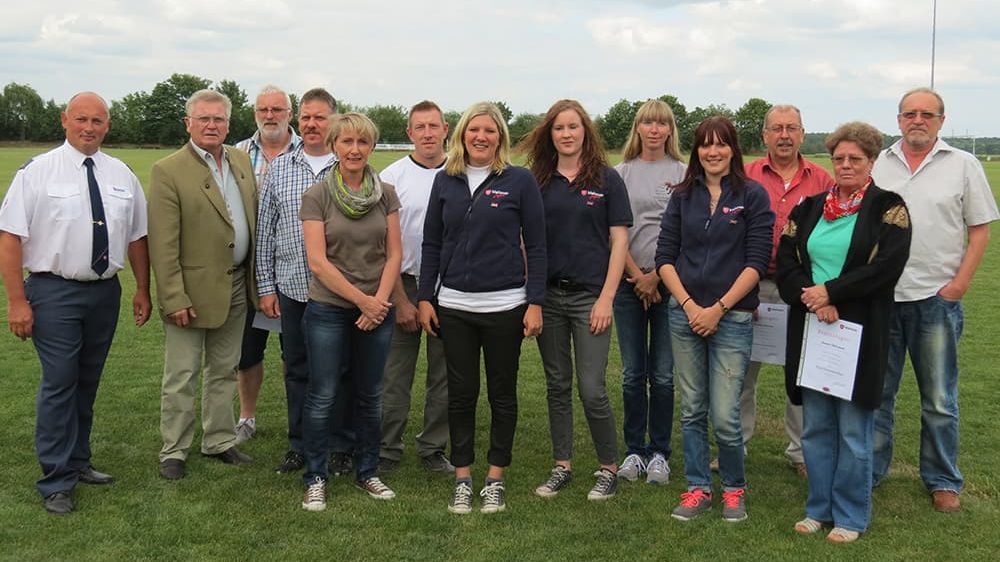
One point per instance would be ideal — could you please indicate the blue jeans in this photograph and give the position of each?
(837, 445)
(930, 330)
(333, 342)
(644, 341)
(710, 374)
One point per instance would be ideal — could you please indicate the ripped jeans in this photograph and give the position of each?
(709, 373)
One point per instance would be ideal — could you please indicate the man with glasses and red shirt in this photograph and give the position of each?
(951, 206)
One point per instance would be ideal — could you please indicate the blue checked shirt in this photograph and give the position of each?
(260, 162)
(281, 251)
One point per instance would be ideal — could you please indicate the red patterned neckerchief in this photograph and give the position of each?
(833, 209)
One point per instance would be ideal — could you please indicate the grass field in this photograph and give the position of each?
(223, 513)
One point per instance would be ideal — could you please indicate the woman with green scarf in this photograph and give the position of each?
(353, 246)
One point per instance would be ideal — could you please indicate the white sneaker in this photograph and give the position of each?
(632, 467)
(245, 430)
(315, 498)
(657, 470)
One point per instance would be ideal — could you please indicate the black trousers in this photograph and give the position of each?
(499, 335)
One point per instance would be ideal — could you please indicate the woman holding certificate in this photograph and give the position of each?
(839, 258)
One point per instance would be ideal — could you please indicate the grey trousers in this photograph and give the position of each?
(566, 317)
(748, 399)
(397, 383)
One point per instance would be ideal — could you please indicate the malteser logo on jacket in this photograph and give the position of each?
(733, 213)
(591, 196)
(496, 195)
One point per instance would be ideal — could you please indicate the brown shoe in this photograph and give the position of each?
(232, 455)
(172, 469)
(946, 501)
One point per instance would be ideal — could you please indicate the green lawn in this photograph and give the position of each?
(223, 513)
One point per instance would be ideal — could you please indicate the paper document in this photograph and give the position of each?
(262, 322)
(829, 357)
(769, 334)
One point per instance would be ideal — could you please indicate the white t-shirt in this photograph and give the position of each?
(413, 183)
(318, 163)
(947, 194)
(48, 207)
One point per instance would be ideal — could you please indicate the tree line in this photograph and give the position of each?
(155, 118)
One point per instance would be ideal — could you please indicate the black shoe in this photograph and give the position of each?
(172, 469)
(341, 464)
(293, 463)
(232, 455)
(385, 466)
(59, 503)
(437, 462)
(91, 476)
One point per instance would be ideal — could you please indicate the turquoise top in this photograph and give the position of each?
(827, 246)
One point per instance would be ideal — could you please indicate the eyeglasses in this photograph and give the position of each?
(777, 129)
(206, 120)
(274, 110)
(852, 160)
(925, 115)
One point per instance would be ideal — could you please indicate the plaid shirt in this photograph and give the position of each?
(260, 162)
(281, 252)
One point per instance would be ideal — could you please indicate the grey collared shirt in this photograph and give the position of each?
(234, 202)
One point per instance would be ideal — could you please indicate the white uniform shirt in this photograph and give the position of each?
(947, 194)
(413, 186)
(48, 207)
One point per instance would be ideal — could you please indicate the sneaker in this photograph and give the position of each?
(438, 462)
(375, 488)
(558, 479)
(632, 467)
(315, 498)
(657, 470)
(293, 463)
(245, 430)
(734, 505)
(341, 464)
(605, 487)
(493, 498)
(385, 466)
(461, 498)
(693, 503)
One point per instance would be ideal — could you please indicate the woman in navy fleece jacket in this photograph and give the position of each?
(714, 245)
(488, 291)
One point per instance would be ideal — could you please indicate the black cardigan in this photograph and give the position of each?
(862, 293)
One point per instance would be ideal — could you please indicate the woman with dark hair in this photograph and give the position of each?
(482, 273)
(714, 245)
(587, 216)
(652, 166)
(839, 257)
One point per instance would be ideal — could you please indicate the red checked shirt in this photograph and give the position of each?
(809, 180)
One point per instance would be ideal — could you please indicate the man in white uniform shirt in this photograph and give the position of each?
(413, 176)
(70, 218)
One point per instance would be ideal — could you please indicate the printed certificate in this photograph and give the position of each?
(769, 334)
(829, 357)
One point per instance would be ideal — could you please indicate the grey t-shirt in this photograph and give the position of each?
(649, 186)
(356, 247)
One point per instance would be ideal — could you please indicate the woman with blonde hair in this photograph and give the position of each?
(587, 216)
(481, 287)
(651, 168)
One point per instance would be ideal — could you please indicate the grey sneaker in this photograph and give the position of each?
(245, 430)
(340, 464)
(605, 487)
(693, 503)
(438, 462)
(461, 499)
(734, 505)
(493, 498)
(632, 467)
(657, 470)
(559, 478)
(315, 498)
(375, 488)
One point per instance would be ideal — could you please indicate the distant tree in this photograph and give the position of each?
(695, 117)
(505, 111)
(749, 121)
(344, 106)
(128, 120)
(22, 108)
(452, 118)
(49, 123)
(242, 123)
(390, 120)
(617, 122)
(680, 116)
(522, 125)
(165, 108)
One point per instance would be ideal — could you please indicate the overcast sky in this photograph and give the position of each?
(838, 60)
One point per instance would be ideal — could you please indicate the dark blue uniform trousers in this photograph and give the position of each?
(74, 323)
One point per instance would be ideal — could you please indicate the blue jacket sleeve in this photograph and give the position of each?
(760, 228)
(430, 256)
(668, 244)
(533, 231)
